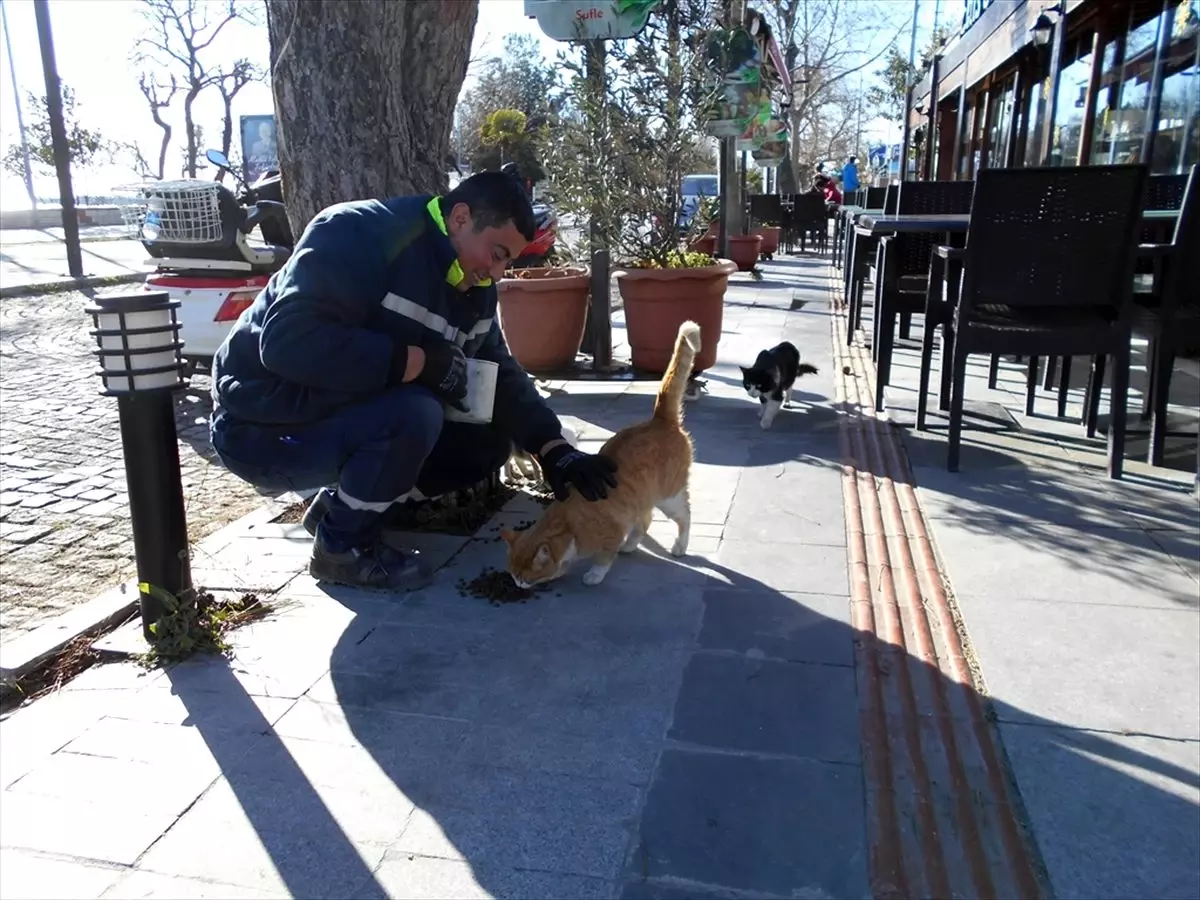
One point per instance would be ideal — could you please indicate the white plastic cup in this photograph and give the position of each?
(481, 393)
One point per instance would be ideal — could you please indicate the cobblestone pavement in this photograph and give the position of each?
(65, 534)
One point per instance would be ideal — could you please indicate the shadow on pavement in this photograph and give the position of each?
(682, 730)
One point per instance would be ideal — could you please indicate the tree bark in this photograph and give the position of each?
(189, 126)
(365, 96)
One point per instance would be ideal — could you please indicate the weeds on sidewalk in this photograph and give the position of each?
(195, 623)
(53, 672)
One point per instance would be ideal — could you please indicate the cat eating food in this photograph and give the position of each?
(771, 377)
(653, 461)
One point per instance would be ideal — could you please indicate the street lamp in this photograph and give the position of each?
(138, 345)
(1044, 26)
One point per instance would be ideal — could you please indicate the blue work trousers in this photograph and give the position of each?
(375, 451)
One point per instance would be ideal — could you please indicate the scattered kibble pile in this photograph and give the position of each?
(496, 587)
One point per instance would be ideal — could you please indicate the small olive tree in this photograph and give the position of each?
(623, 150)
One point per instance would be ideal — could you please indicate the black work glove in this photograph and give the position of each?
(591, 474)
(445, 373)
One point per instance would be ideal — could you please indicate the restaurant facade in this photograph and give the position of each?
(1073, 82)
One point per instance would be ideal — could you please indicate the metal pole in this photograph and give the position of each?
(908, 94)
(156, 507)
(58, 136)
(932, 138)
(598, 336)
(743, 195)
(12, 71)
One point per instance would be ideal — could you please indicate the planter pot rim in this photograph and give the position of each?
(549, 279)
(720, 267)
(745, 237)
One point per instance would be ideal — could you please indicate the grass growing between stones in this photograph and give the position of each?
(53, 672)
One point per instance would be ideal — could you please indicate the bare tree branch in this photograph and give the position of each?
(178, 31)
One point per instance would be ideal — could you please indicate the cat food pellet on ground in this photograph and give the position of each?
(496, 587)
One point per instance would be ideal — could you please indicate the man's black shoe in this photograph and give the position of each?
(379, 567)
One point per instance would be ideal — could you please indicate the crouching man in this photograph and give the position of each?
(341, 370)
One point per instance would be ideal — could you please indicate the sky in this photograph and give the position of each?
(93, 42)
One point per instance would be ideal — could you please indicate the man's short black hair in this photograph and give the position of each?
(494, 198)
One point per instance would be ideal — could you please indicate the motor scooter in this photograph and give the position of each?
(198, 236)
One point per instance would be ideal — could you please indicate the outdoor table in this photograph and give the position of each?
(875, 225)
(850, 215)
(843, 214)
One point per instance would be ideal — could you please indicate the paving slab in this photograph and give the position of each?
(32, 876)
(741, 823)
(731, 702)
(1115, 814)
(1112, 668)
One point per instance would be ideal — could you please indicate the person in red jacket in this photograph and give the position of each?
(827, 185)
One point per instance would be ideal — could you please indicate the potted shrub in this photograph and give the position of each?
(542, 314)
(651, 114)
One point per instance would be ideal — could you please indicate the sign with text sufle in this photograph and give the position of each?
(590, 20)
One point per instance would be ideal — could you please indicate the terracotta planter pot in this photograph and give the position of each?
(542, 314)
(744, 250)
(704, 244)
(770, 238)
(658, 301)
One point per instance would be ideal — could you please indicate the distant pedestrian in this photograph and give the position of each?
(850, 175)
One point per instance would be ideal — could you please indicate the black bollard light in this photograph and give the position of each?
(139, 348)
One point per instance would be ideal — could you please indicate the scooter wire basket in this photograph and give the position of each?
(182, 212)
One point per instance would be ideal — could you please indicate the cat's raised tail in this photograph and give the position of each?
(669, 405)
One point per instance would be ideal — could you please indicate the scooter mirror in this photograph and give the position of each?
(217, 158)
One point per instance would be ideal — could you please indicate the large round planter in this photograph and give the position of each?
(658, 301)
(770, 238)
(744, 250)
(542, 314)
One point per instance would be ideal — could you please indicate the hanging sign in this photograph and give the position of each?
(590, 20)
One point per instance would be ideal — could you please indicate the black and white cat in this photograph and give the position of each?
(771, 377)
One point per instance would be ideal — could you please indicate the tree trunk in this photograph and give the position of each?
(189, 168)
(163, 147)
(226, 130)
(364, 97)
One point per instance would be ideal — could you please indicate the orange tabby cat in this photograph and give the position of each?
(653, 460)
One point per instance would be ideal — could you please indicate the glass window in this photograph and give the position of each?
(1107, 102)
(1137, 72)
(1071, 104)
(1001, 124)
(973, 138)
(1037, 112)
(1177, 137)
(968, 129)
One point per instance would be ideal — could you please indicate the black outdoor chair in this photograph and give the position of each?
(1048, 269)
(1162, 192)
(787, 222)
(876, 196)
(903, 267)
(1169, 314)
(766, 209)
(810, 220)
